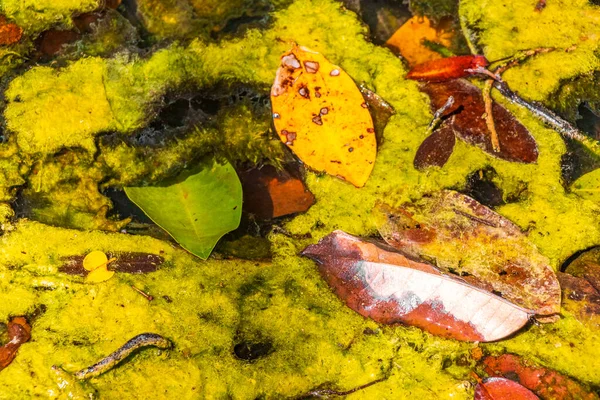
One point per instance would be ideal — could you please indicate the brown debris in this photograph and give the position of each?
(19, 332)
(269, 193)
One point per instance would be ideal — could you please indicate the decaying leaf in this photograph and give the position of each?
(464, 117)
(410, 39)
(389, 287)
(269, 193)
(321, 115)
(462, 236)
(19, 332)
(128, 262)
(588, 186)
(544, 382)
(502, 389)
(580, 284)
(9, 33)
(381, 111)
(197, 208)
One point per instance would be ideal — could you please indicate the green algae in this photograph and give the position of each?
(218, 303)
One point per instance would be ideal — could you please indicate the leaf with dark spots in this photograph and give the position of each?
(437, 148)
(516, 143)
(9, 33)
(131, 263)
(271, 193)
(463, 236)
(19, 332)
(391, 288)
(502, 389)
(544, 382)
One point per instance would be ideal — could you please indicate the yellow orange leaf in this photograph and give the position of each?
(321, 115)
(409, 39)
(99, 275)
(94, 260)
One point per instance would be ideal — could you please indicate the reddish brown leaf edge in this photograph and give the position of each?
(502, 389)
(445, 69)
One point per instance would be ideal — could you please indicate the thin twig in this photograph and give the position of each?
(489, 116)
(437, 116)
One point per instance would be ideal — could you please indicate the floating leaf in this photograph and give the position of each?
(321, 115)
(410, 39)
(544, 382)
(197, 208)
(437, 148)
(19, 332)
(269, 193)
(588, 186)
(502, 389)
(516, 143)
(463, 236)
(391, 288)
(99, 275)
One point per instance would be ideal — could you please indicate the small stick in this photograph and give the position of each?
(146, 295)
(437, 116)
(324, 393)
(489, 117)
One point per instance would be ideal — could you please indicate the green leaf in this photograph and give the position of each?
(588, 185)
(197, 208)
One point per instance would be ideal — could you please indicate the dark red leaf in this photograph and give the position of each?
(516, 143)
(578, 292)
(502, 389)
(269, 193)
(437, 148)
(390, 288)
(447, 68)
(546, 383)
(19, 332)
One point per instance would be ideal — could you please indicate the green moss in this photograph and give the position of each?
(35, 16)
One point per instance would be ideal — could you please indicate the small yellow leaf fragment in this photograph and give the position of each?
(97, 263)
(409, 39)
(95, 259)
(99, 275)
(320, 114)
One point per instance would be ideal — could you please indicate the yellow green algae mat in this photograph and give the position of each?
(82, 121)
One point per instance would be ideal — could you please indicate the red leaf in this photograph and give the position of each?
(437, 148)
(391, 288)
(467, 238)
(502, 389)
(19, 332)
(546, 383)
(516, 143)
(9, 33)
(447, 68)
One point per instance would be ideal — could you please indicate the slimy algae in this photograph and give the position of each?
(207, 307)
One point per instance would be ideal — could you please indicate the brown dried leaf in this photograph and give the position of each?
(544, 382)
(391, 288)
(502, 389)
(437, 148)
(131, 263)
(269, 193)
(516, 143)
(462, 236)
